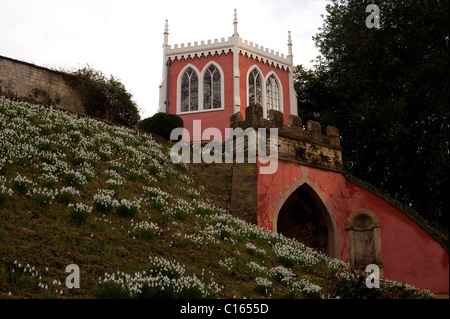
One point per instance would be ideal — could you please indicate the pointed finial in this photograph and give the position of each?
(235, 23)
(289, 43)
(166, 33)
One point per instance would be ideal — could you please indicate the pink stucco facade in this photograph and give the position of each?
(409, 253)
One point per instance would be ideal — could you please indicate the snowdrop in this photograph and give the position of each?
(256, 268)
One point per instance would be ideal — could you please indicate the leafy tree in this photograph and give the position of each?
(104, 97)
(387, 91)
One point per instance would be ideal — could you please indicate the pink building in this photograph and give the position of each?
(211, 81)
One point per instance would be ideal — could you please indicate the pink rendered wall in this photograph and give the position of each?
(217, 119)
(409, 253)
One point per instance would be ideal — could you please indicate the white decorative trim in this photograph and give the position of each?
(280, 93)
(293, 99)
(176, 52)
(264, 53)
(250, 70)
(258, 58)
(222, 85)
(199, 54)
(200, 88)
(264, 89)
(217, 46)
(179, 78)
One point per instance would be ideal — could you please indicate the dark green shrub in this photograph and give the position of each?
(104, 97)
(161, 124)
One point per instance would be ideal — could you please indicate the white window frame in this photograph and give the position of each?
(222, 87)
(264, 80)
(280, 93)
(200, 76)
(250, 70)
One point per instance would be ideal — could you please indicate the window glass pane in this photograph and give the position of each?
(207, 90)
(251, 89)
(272, 94)
(193, 92)
(185, 93)
(217, 89)
(258, 88)
(269, 95)
(275, 94)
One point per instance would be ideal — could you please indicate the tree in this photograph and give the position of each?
(387, 91)
(105, 98)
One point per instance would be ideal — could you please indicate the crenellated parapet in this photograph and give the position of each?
(308, 146)
(225, 45)
(196, 49)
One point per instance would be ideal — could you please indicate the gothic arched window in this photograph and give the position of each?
(272, 94)
(189, 91)
(254, 88)
(212, 89)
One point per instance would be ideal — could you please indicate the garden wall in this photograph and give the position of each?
(32, 83)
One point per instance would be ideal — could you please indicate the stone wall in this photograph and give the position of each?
(296, 145)
(32, 83)
(244, 201)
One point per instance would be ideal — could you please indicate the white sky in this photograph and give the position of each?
(124, 38)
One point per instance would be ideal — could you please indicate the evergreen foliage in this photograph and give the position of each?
(387, 91)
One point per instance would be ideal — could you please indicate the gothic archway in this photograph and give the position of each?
(302, 214)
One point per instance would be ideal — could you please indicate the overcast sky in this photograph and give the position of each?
(124, 38)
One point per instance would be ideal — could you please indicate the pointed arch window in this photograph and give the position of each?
(255, 88)
(189, 91)
(212, 88)
(272, 94)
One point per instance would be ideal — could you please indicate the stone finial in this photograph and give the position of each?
(235, 24)
(289, 43)
(166, 33)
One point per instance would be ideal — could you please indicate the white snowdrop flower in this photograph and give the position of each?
(9, 293)
(61, 292)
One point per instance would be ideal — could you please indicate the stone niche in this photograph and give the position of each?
(363, 239)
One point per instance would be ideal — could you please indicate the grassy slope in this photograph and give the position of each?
(46, 238)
